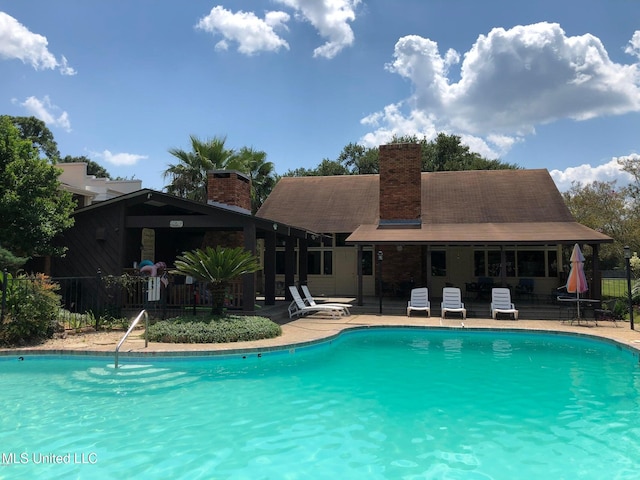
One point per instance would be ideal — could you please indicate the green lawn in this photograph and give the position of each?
(614, 287)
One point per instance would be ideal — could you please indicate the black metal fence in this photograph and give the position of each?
(104, 301)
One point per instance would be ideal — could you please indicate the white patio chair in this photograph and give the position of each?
(310, 301)
(298, 308)
(501, 303)
(452, 302)
(419, 301)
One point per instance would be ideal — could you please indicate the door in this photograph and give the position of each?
(345, 271)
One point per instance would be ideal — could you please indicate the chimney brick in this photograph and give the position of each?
(400, 183)
(230, 188)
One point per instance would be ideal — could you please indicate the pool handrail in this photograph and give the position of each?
(131, 327)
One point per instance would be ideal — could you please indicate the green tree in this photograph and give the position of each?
(188, 177)
(447, 153)
(631, 165)
(10, 262)
(326, 168)
(261, 173)
(444, 153)
(359, 160)
(35, 130)
(331, 167)
(33, 209)
(300, 172)
(603, 207)
(217, 267)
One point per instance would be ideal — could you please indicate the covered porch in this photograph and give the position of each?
(530, 259)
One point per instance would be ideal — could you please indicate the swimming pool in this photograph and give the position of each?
(380, 403)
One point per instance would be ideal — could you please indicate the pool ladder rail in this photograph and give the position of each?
(144, 314)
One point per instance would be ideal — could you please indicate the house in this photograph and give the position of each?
(113, 236)
(85, 190)
(430, 228)
(88, 189)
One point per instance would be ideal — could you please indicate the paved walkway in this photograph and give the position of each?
(317, 327)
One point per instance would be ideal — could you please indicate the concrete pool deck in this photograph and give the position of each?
(316, 327)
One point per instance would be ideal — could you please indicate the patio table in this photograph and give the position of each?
(578, 301)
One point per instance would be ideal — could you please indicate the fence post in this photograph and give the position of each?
(98, 292)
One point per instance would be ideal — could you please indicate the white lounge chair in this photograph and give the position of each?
(297, 307)
(452, 302)
(309, 300)
(501, 303)
(419, 301)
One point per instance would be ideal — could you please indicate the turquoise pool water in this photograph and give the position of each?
(375, 404)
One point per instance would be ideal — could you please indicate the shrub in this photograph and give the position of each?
(231, 328)
(618, 308)
(32, 310)
(635, 292)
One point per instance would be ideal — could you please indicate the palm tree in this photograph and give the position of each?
(260, 172)
(217, 267)
(189, 175)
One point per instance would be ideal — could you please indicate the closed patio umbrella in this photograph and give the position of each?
(577, 281)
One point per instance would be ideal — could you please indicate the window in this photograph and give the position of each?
(511, 263)
(320, 256)
(367, 262)
(327, 261)
(494, 263)
(552, 262)
(280, 263)
(478, 263)
(341, 239)
(314, 259)
(438, 264)
(314, 241)
(531, 263)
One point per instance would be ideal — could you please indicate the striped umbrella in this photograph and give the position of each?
(577, 281)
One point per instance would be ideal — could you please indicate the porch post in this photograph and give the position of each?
(360, 289)
(289, 265)
(503, 266)
(429, 267)
(270, 268)
(596, 288)
(249, 279)
(302, 260)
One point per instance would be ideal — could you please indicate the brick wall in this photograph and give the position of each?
(229, 187)
(402, 266)
(400, 184)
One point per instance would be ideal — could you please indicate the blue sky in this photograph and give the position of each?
(544, 84)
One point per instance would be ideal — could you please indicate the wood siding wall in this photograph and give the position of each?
(95, 242)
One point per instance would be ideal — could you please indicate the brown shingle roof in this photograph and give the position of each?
(337, 204)
(480, 233)
(463, 206)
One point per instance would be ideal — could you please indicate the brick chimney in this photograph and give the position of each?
(400, 185)
(230, 189)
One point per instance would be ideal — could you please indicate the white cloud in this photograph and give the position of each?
(331, 18)
(119, 159)
(586, 174)
(419, 123)
(17, 42)
(252, 34)
(47, 112)
(634, 45)
(510, 82)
